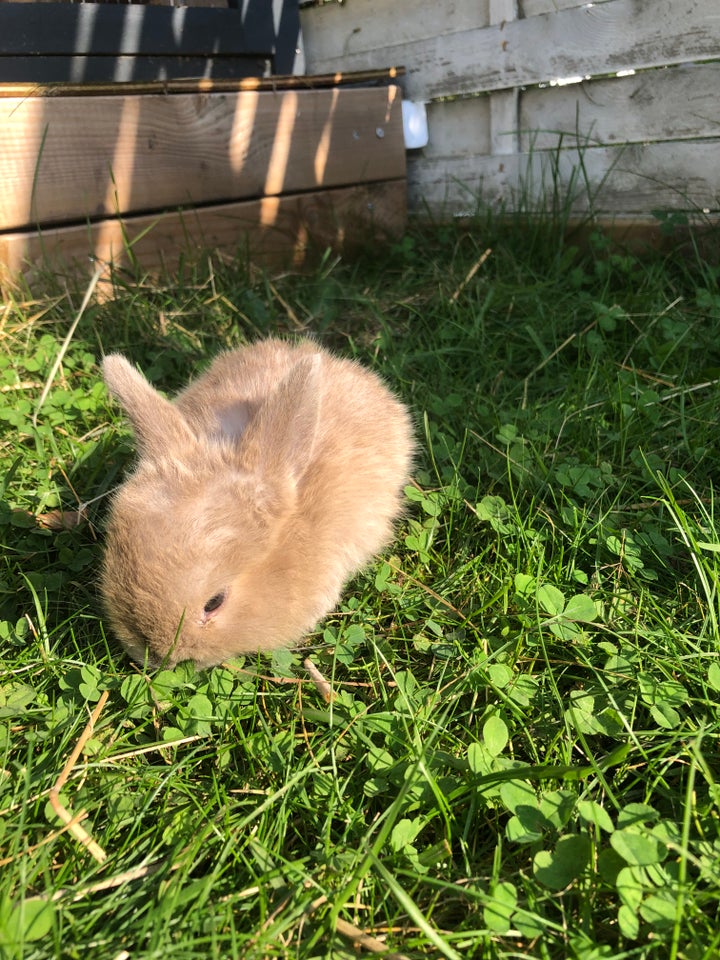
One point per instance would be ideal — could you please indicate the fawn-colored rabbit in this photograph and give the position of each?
(258, 492)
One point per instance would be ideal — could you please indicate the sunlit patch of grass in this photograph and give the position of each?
(520, 757)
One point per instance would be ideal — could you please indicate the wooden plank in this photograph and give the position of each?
(376, 33)
(275, 231)
(110, 30)
(288, 49)
(182, 3)
(638, 235)
(676, 104)
(334, 30)
(680, 103)
(173, 3)
(504, 104)
(595, 39)
(360, 78)
(265, 29)
(72, 158)
(83, 69)
(532, 8)
(625, 180)
(458, 127)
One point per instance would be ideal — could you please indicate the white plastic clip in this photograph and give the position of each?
(415, 125)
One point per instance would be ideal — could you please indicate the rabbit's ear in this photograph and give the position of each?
(158, 425)
(280, 438)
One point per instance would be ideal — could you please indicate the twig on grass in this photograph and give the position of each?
(642, 333)
(551, 356)
(107, 761)
(426, 588)
(295, 681)
(13, 306)
(57, 520)
(152, 748)
(644, 375)
(358, 937)
(501, 453)
(45, 840)
(23, 385)
(134, 873)
(321, 684)
(254, 675)
(470, 274)
(684, 391)
(365, 940)
(292, 316)
(72, 822)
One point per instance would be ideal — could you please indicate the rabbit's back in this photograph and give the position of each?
(223, 399)
(359, 415)
(363, 457)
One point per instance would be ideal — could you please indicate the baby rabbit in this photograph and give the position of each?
(258, 492)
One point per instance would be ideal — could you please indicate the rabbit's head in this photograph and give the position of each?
(187, 571)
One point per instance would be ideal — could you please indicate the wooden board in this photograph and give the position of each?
(531, 8)
(504, 104)
(333, 30)
(110, 30)
(489, 74)
(675, 104)
(46, 33)
(275, 231)
(636, 179)
(590, 40)
(377, 33)
(72, 158)
(201, 85)
(458, 127)
(127, 69)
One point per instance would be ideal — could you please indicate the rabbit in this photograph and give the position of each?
(258, 492)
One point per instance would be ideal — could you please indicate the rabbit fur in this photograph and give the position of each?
(258, 492)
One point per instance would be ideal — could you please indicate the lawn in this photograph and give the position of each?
(520, 756)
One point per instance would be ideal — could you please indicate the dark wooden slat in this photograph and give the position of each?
(288, 36)
(83, 69)
(110, 30)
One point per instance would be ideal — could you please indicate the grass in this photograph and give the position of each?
(521, 756)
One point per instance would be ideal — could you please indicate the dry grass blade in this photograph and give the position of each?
(365, 940)
(321, 684)
(66, 343)
(292, 316)
(426, 588)
(111, 883)
(551, 356)
(72, 822)
(471, 273)
(45, 840)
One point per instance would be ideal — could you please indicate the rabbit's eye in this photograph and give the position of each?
(215, 602)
